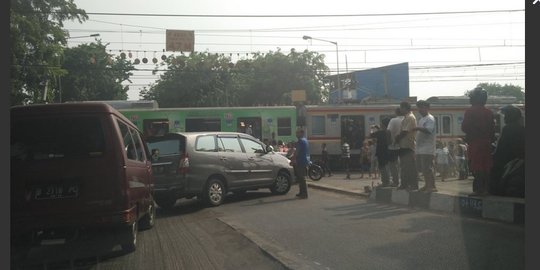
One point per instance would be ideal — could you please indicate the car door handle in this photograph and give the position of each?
(223, 158)
(251, 158)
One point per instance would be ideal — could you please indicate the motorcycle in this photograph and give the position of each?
(315, 172)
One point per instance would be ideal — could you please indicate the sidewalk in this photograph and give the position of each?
(452, 197)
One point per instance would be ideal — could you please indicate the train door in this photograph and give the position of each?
(250, 125)
(155, 127)
(353, 130)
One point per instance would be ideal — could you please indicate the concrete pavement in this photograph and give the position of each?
(452, 197)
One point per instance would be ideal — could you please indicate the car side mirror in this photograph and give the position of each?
(269, 149)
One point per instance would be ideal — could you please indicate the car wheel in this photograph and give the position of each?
(148, 221)
(282, 184)
(215, 192)
(130, 242)
(166, 202)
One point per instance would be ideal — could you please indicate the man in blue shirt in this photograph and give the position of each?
(301, 163)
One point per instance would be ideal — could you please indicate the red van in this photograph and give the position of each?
(78, 170)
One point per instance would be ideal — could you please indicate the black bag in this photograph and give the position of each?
(512, 181)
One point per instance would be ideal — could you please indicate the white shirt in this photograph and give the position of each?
(425, 143)
(394, 126)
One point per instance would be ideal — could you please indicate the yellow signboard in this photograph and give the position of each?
(180, 40)
(298, 95)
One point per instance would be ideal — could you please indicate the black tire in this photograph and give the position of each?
(282, 184)
(315, 172)
(215, 192)
(149, 220)
(130, 241)
(165, 201)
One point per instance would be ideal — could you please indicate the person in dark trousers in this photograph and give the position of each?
(325, 161)
(346, 157)
(479, 128)
(511, 146)
(383, 137)
(301, 163)
(407, 145)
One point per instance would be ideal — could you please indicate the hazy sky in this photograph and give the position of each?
(447, 53)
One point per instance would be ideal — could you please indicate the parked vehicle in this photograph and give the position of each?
(210, 164)
(315, 172)
(78, 171)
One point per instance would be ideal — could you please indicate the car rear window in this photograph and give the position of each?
(57, 137)
(170, 146)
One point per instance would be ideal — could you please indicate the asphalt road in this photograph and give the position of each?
(326, 231)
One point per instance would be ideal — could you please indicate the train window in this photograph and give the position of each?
(284, 126)
(443, 124)
(446, 124)
(318, 125)
(203, 124)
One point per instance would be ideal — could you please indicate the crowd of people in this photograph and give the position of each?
(405, 149)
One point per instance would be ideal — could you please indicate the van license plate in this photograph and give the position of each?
(56, 192)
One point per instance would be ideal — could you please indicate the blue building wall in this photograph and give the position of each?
(371, 82)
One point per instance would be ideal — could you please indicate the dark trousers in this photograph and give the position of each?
(393, 165)
(300, 173)
(426, 168)
(346, 162)
(409, 174)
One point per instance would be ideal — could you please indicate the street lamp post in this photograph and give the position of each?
(92, 35)
(337, 54)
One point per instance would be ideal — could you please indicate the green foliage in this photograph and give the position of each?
(93, 74)
(204, 79)
(495, 89)
(37, 39)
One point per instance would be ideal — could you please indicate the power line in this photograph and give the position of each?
(297, 15)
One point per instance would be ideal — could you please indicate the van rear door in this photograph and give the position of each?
(63, 168)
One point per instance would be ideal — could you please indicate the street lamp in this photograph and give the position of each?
(337, 54)
(92, 35)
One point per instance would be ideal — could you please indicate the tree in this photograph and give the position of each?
(495, 89)
(197, 80)
(37, 41)
(93, 74)
(203, 79)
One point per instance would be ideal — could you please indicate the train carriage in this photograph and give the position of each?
(330, 124)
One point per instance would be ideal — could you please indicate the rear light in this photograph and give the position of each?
(183, 165)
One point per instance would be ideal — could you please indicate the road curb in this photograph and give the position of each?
(509, 210)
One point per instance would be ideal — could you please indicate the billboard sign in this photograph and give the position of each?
(180, 40)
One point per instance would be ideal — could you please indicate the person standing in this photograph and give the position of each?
(510, 147)
(301, 163)
(383, 138)
(407, 144)
(394, 126)
(365, 154)
(425, 148)
(325, 161)
(461, 159)
(373, 161)
(346, 158)
(441, 159)
(479, 128)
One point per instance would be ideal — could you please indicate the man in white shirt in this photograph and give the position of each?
(407, 145)
(394, 126)
(425, 145)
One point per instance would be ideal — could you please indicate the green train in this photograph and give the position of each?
(273, 123)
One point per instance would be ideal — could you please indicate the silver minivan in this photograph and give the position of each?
(208, 165)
